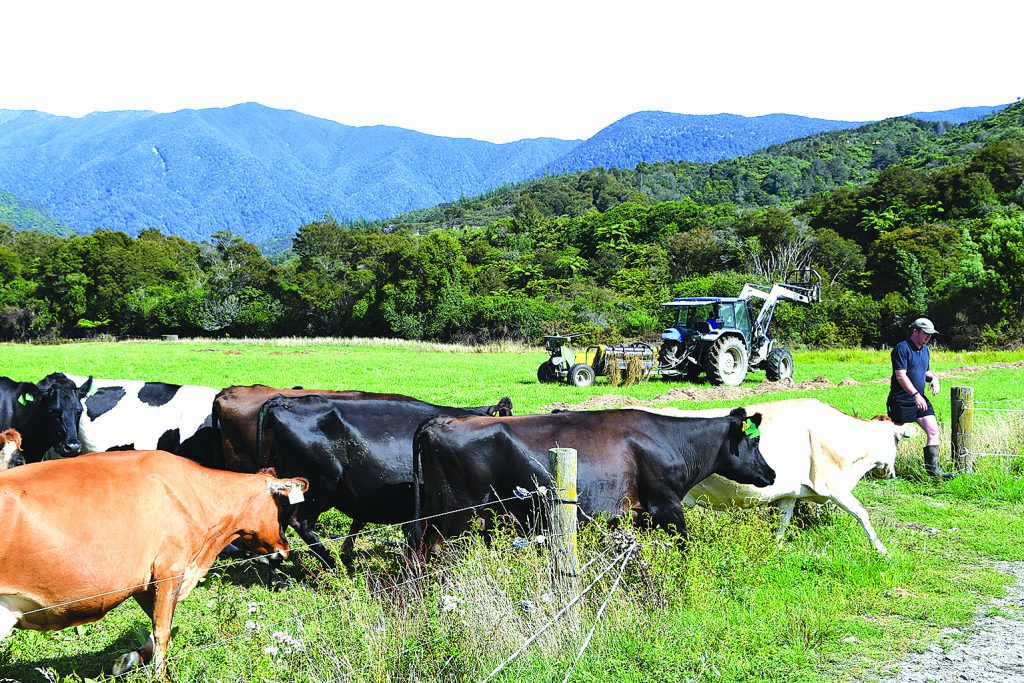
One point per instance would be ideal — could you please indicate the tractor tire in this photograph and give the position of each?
(778, 365)
(546, 373)
(728, 358)
(581, 375)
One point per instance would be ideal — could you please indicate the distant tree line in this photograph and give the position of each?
(594, 252)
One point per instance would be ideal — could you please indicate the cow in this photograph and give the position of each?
(146, 525)
(126, 414)
(10, 449)
(629, 463)
(235, 411)
(818, 453)
(45, 414)
(356, 452)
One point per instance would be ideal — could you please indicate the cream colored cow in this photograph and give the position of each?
(818, 453)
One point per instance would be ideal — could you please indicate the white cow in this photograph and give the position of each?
(818, 453)
(128, 414)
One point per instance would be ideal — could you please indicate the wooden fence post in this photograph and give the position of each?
(563, 513)
(962, 404)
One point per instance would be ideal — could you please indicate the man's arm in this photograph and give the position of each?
(908, 386)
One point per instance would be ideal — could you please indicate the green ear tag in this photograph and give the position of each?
(750, 429)
(25, 399)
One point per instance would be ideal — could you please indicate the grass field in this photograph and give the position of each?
(736, 606)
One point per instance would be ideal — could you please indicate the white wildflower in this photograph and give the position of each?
(449, 603)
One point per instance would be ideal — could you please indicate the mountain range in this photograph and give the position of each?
(264, 172)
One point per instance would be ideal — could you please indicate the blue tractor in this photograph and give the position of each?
(726, 337)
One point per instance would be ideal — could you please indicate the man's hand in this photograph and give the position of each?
(934, 381)
(920, 402)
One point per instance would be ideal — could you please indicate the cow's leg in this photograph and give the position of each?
(307, 531)
(350, 541)
(786, 506)
(158, 604)
(853, 506)
(669, 516)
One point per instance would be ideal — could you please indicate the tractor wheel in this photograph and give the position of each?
(728, 359)
(778, 365)
(546, 373)
(581, 375)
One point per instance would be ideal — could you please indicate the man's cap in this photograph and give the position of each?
(925, 325)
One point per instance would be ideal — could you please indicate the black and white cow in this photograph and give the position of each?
(126, 414)
(45, 414)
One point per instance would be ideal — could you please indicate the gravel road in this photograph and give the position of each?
(991, 650)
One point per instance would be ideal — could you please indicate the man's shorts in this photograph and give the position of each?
(905, 411)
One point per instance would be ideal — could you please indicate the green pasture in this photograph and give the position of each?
(736, 606)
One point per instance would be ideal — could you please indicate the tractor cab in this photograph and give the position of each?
(708, 317)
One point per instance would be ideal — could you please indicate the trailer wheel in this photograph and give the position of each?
(778, 365)
(581, 375)
(546, 373)
(728, 359)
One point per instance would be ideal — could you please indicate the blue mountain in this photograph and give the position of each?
(264, 172)
(653, 136)
(258, 171)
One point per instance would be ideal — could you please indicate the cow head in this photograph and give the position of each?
(274, 506)
(740, 458)
(55, 422)
(503, 408)
(885, 468)
(10, 449)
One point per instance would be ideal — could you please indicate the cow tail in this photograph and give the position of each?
(416, 526)
(270, 403)
(218, 440)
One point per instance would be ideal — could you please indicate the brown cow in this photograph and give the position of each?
(10, 449)
(83, 535)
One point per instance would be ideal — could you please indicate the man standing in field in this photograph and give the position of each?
(911, 370)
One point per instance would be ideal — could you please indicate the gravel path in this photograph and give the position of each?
(991, 650)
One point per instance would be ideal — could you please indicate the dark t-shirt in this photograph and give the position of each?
(915, 361)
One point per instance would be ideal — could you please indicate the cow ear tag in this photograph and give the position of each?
(750, 429)
(26, 398)
(295, 494)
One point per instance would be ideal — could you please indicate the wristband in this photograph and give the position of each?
(916, 393)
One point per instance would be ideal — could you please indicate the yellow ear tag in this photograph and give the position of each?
(295, 494)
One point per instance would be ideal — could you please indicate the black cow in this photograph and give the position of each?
(356, 452)
(629, 462)
(46, 414)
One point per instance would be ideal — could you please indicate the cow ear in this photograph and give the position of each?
(83, 390)
(756, 419)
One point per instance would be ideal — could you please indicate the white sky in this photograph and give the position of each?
(511, 69)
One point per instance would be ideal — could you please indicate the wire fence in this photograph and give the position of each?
(964, 407)
(287, 615)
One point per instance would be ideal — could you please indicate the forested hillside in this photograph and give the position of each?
(258, 171)
(901, 217)
(263, 172)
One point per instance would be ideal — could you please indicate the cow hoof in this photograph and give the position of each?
(129, 661)
(280, 582)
